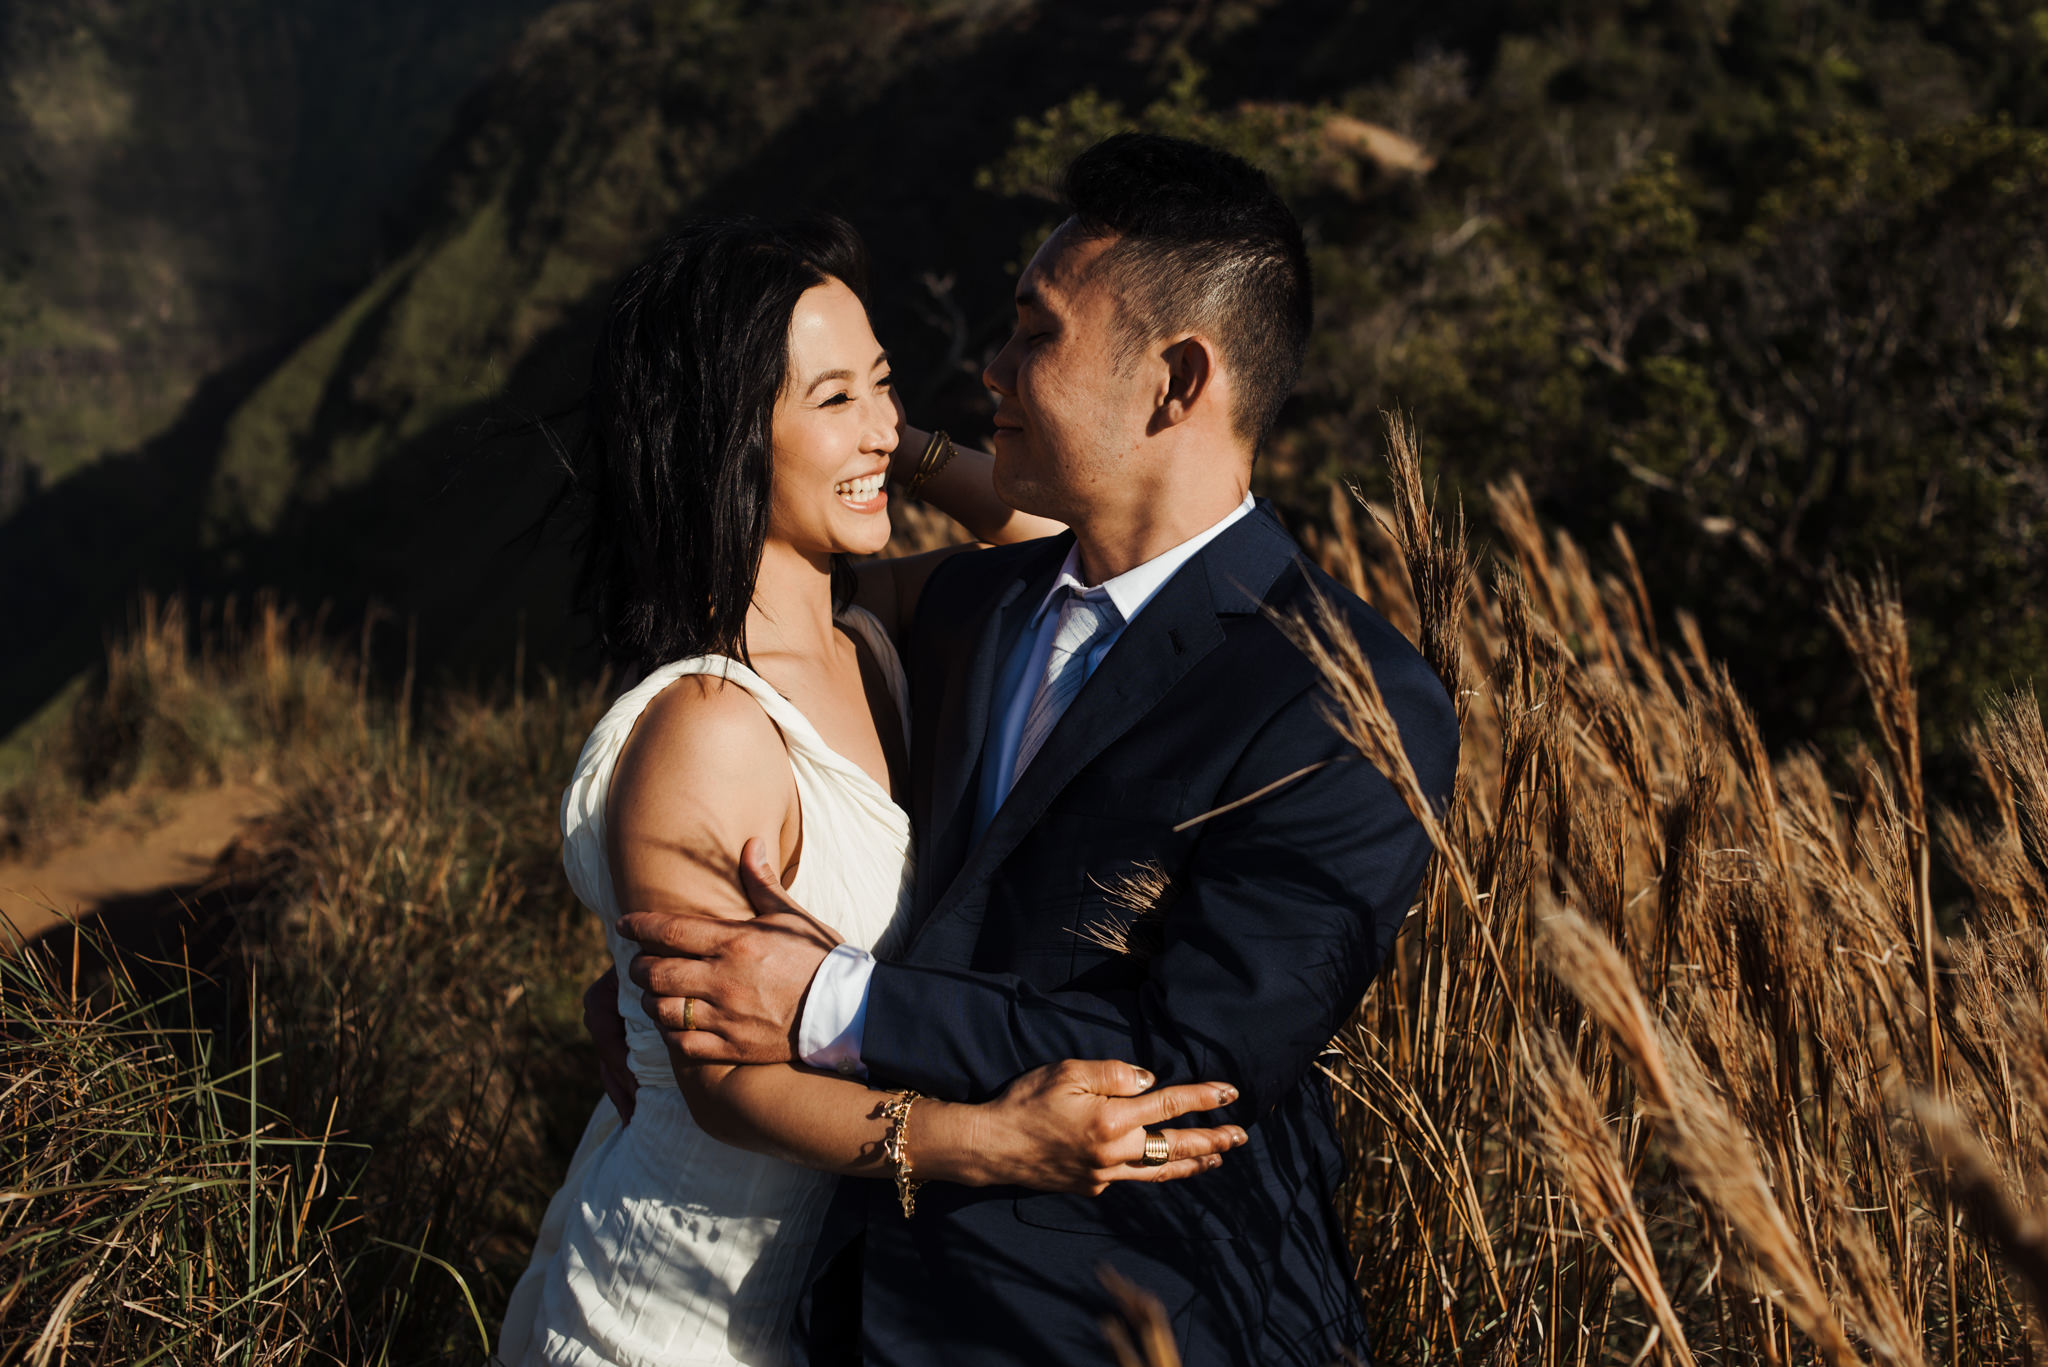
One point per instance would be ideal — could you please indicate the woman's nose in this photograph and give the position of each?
(881, 426)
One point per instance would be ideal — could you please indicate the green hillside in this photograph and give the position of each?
(1760, 280)
(187, 183)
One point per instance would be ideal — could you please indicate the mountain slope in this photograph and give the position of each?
(183, 183)
(1759, 281)
(359, 465)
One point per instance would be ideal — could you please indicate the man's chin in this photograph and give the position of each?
(1018, 490)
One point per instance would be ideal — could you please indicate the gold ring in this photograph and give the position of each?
(1157, 1151)
(689, 1015)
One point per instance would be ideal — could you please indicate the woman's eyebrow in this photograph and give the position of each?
(843, 375)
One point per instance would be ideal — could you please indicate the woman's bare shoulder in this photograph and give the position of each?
(704, 742)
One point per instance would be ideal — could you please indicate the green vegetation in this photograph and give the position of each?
(187, 183)
(1760, 281)
(1772, 297)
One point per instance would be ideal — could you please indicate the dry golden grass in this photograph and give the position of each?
(1673, 1060)
(179, 703)
(316, 1124)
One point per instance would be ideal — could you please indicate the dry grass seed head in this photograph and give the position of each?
(1865, 1282)
(1439, 565)
(1701, 1136)
(2013, 746)
(1136, 926)
(1872, 622)
(2018, 1232)
(1580, 1150)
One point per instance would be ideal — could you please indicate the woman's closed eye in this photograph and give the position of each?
(842, 397)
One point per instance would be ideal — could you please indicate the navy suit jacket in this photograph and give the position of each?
(1279, 914)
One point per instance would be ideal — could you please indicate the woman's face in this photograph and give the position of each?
(835, 425)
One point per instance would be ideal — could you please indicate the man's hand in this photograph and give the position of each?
(607, 1030)
(738, 985)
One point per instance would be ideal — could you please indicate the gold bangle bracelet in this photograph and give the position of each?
(896, 1144)
(938, 452)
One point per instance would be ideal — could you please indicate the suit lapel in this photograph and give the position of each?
(964, 714)
(1228, 577)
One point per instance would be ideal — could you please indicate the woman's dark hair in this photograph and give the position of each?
(673, 470)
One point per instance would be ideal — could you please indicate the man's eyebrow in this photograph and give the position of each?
(1027, 297)
(880, 360)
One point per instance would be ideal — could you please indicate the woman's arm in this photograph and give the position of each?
(689, 788)
(966, 492)
(1074, 1126)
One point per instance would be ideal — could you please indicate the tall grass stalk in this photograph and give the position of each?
(1673, 1059)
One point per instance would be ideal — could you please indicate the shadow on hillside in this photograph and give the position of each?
(434, 536)
(169, 942)
(429, 539)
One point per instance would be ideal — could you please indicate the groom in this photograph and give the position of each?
(1114, 703)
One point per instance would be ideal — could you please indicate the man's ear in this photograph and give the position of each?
(1190, 371)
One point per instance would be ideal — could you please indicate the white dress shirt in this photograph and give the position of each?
(835, 1010)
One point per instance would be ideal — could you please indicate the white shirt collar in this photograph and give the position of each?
(1130, 591)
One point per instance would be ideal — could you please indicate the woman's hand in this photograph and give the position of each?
(607, 1031)
(1080, 1125)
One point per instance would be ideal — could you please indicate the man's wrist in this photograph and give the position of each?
(832, 1018)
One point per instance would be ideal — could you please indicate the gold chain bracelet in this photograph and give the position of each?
(896, 1144)
(938, 452)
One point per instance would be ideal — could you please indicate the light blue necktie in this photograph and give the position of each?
(1083, 623)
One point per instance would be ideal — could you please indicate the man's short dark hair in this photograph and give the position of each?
(1203, 244)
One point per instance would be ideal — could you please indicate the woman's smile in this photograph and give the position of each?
(864, 494)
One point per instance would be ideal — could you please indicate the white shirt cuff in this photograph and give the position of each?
(836, 1012)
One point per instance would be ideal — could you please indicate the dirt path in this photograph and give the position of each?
(130, 855)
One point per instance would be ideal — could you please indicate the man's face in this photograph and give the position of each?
(1067, 415)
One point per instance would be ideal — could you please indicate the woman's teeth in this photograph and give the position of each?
(860, 490)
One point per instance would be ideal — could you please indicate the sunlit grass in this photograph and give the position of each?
(329, 1138)
(1674, 1060)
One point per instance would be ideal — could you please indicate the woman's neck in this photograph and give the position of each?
(792, 608)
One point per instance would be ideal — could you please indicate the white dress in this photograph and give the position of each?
(665, 1247)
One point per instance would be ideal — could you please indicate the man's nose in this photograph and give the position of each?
(999, 376)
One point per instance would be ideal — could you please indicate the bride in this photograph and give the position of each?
(742, 430)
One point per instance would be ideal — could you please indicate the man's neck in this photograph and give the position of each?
(1115, 541)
